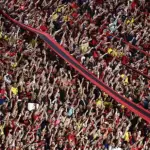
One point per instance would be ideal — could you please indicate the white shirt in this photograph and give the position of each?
(116, 148)
(7, 79)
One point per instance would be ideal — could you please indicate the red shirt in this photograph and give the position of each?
(135, 148)
(36, 117)
(74, 5)
(133, 5)
(12, 54)
(145, 71)
(71, 137)
(94, 42)
(125, 60)
(99, 1)
(74, 14)
(43, 28)
(95, 54)
(2, 91)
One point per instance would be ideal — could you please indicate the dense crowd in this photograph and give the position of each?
(45, 104)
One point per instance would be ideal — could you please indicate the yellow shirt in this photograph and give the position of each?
(0, 35)
(121, 54)
(122, 76)
(125, 79)
(130, 21)
(14, 65)
(60, 8)
(99, 102)
(79, 125)
(6, 37)
(84, 47)
(126, 136)
(1, 129)
(54, 16)
(110, 50)
(14, 90)
(114, 53)
(65, 18)
(33, 42)
(95, 135)
(109, 104)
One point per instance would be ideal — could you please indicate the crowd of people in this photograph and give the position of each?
(45, 104)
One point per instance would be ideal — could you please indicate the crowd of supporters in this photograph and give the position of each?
(45, 104)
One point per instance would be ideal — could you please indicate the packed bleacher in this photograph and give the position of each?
(45, 104)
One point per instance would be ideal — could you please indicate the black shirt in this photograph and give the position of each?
(60, 147)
